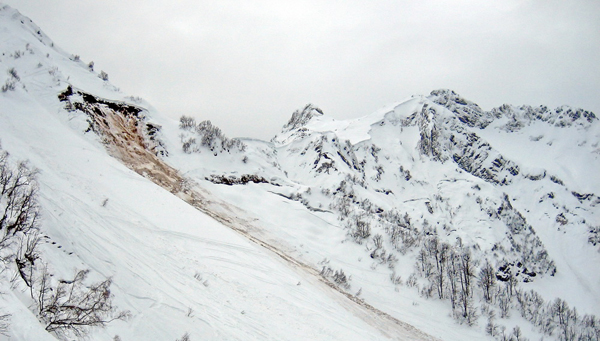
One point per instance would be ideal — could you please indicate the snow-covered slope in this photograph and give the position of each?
(376, 228)
(173, 267)
(513, 187)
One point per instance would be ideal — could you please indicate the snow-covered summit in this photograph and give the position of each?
(467, 112)
(11, 17)
(436, 169)
(516, 116)
(301, 117)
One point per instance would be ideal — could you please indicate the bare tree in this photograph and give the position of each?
(439, 252)
(340, 278)
(19, 210)
(359, 229)
(67, 306)
(187, 122)
(565, 318)
(423, 265)
(517, 335)
(504, 302)
(378, 241)
(452, 272)
(26, 256)
(590, 328)
(73, 307)
(19, 213)
(466, 272)
(487, 280)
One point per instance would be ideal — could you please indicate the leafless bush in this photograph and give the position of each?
(26, 256)
(11, 83)
(187, 122)
(19, 213)
(103, 75)
(412, 280)
(396, 279)
(208, 136)
(73, 307)
(487, 281)
(338, 277)
(326, 271)
(68, 306)
(360, 230)
(18, 193)
(378, 241)
(13, 74)
(19, 210)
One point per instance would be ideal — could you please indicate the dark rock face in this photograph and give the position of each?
(467, 112)
(301, 117)
(519, 117)
(241, 180)
(473, 116)
(444, 137)
(118, 123)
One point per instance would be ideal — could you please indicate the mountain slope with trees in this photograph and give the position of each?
(428, 219)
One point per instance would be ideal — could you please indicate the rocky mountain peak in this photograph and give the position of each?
(563, 116)
(301, 117)
(466, 111)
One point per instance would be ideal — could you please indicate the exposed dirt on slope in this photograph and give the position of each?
(121, 128)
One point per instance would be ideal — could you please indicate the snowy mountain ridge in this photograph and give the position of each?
(435, 147)
(430, 218)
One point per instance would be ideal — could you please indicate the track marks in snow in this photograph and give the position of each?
(226, 215)
(155, 169)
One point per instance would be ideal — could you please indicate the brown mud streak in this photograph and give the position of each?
(124, 140)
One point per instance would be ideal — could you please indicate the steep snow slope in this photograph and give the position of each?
(174, 268)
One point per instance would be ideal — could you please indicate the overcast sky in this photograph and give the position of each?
(247, 65)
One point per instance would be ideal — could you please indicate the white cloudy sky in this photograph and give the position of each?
(247, 65)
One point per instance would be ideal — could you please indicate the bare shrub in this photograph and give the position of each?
(72, 306)
(18, 190)
(103, 75)
(207, 136)
(187, 122)
(359, 230)
(11, 83)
